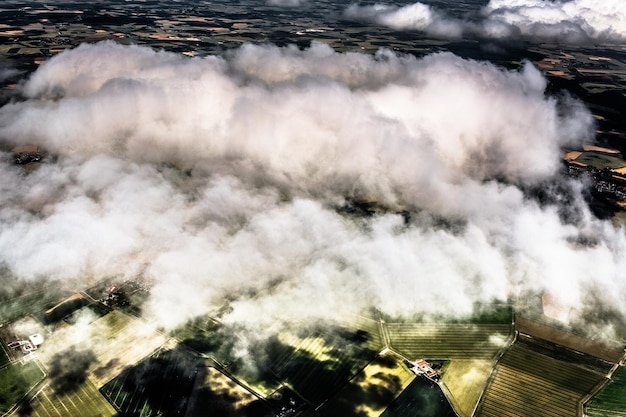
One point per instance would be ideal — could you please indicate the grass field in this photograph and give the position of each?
(370, 392)
(161, 383)
(117, 341)
(529, 383)
(16, 381)
(448, 340)
(600, 160)
(611, 401)
(85, 401)
(466, 379)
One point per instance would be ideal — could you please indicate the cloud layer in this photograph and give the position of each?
(222, 180)
(573, 21)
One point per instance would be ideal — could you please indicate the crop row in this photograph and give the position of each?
(448, 341)
(162, 382)
(527, 383)
(85, 401)
(316, 367)
(611, 401)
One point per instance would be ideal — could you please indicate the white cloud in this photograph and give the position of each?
(219, 179)
(571, 21)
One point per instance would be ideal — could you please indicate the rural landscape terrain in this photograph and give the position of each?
(312, 208)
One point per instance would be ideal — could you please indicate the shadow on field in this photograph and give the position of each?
(68, 369)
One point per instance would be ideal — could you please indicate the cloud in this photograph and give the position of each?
(567, 21)
(417, 16)
(226, 182)
(573, 21)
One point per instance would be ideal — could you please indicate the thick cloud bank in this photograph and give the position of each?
(223, 180)
(572, 21)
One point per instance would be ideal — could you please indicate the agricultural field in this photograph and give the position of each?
(14, 308)
(116, 341)
(611, 401)
(319, 363)
(603, 353)
(214, 393)
(448, 340)
(296, 357)
(84, 401)
(161, 383)
(370, 392)
(527, 382)
(465, 380)
(16, 381)
(600, 160)
(422, 395)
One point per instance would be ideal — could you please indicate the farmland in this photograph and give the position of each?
(318, 363)
(161, 383)
(216, 394)
(530, 382)
(465, 380)
(611, 401)
(422, 395)
(21, 305)
(16, 381)
(448, 340)
(84, 401)
(116, 340)
(372, 390)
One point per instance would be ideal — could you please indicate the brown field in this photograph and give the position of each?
(606, 350)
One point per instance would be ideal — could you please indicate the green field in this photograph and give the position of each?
(465, 380)
(85, 401)
(611, 401)
(19, 306)
(421, 398)
(161, 383)
(16, 381)
(600, 160)
(372, 390)
(448, 340)
(529, 383)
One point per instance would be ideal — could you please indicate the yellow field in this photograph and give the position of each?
(465, 380)
(372, 390)
(86, 401)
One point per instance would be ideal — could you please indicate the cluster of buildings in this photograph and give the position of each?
(605, 168)
(27, 347)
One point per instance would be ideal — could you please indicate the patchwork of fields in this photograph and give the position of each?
(161, 383)
(530, 383)
(85, 401)
(370, 392)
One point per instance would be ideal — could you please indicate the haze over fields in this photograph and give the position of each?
(236, 179)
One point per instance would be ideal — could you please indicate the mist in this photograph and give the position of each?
(571, 21)
(225, 181)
